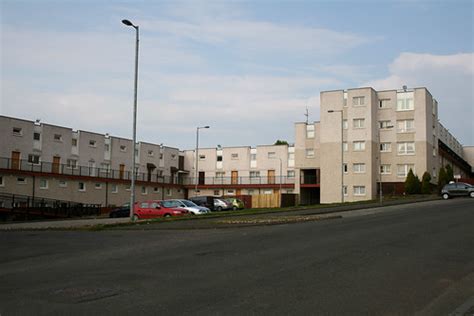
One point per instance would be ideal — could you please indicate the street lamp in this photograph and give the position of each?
(132, 187)
(380, 161)
(342, 153)
(197, 158)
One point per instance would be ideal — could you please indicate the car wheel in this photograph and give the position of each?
(135, 217)
(167, 215)
(445, 196)
(471, 194)
(219, 209)
(234, 208)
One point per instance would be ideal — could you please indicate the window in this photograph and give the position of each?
(202, 157)
(98, 186)
(290, 173)
(144, 190)
(309, 131)
(344, 190)
(62, 184)
(358, 101)
(36, 136)
(268, 191)
(220, 174)
(106, 147)
(359, 190)
(151, 153)
(250, 191)
(123, 148)
(230, 192)
(2, 184)
(384, 103)
(291, 156)
(161, 156)
(345, 98)
(405, 101)
(406, 148)
(402, 170)
(344, 168)
(58, 137)
(253, 156)
(405, 126)
(82, 186)
(385, 147)
(92, 143)
(344, 124)
(34, 159)
(345, 147)
(105, 167)
(74, 142)
(234, 156)
(358, 168)
(173, 156)
(156, 190)
(127, 188)
(310, 153)
(359, 145)
(385, 169)
(169, 192)
(71, 164)
(216, 192)
(358, 123)
(21, 180)
(17, 131)
(254, 174)
(271, 155)
(43, 184)
(385, 124)
(219, 158)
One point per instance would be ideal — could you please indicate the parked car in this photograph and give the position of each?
(153, 209)
(237, 204)
(218, 204)
(457, 189)
(122, 211)
(190, 206)
(222, 205)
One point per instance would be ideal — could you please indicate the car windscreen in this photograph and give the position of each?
(169, 203)
(188, 203)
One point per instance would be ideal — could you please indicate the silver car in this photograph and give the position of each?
(187, 205)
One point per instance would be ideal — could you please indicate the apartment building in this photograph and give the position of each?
(245, 170)
(367, 138)
(48, 161)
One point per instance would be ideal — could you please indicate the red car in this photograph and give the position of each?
(153, 209)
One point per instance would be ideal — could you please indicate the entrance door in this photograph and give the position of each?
(271, 176)
(121, 171)
(202, 176)
(235, 177)
(15, 160)
(56, 162)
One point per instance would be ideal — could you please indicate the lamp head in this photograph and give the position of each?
(128, 23)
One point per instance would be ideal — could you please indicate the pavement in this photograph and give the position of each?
(210, 221)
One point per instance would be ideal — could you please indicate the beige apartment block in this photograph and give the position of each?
(241, 170)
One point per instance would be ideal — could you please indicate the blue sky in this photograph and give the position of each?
(248, 69)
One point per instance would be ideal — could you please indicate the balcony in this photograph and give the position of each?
(241, 181)
(48, 168)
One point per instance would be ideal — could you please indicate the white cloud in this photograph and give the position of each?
(449, 78)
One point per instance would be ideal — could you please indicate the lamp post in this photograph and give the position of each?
(132, 187)
(197, 158)
(342, 153)
(380, 162)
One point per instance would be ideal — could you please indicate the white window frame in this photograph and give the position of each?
(39, 136)
(406, 169)
(58, 137)
(2, 181)
(358, 145)
(385, 169)
(359, 190)
(271, 155)
(83, 189)
(403, 126)
(254, 174)
(290, 174)
(405, 101)
(345, 125)
(309, 131)
(234, 156)
(403, 148)
(309, 153)
(384, 124)
(358, 101)
(123, 148)
(17, 131)
(114, 188)
(92, 143)
(358, 123)
(345, 168)
(358, 167)
(202, 157)
(99, 187)
(24, 181)
(33, 162)
(345, 146)
(144, 190)
(151, 153)
(345, 190)
(385, 147)
(384, 104)
(156, 190)
(169, 192)
(45, 186)
(62, 184)
(71, 166)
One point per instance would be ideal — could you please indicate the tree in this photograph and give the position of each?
(412, 183)
(425, 183)
(281, 142)
(442, 178)
(449, 173)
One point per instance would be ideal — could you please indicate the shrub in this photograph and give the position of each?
(425, 183)
(449, 173)
(412, 183)
(442, 178)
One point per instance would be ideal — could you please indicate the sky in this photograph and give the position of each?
(248, 69)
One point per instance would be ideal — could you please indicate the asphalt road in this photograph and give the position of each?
(406, 260)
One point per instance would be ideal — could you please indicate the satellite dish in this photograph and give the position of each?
(404, 88)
